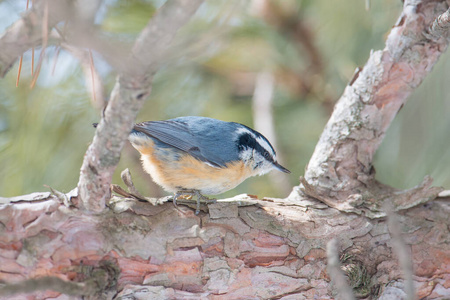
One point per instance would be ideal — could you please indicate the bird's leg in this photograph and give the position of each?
(192, 193)
(175, 197)
(204, 198)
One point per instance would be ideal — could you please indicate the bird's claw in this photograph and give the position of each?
(191, 194)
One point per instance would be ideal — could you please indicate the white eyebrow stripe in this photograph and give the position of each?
(265, 145)
(245, 130)
(263, 142)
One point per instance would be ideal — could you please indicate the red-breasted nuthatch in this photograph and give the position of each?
(198, 155)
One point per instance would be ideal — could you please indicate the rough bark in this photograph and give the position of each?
(245, 248)
(132, 88)
(340, 172)
(242, 248)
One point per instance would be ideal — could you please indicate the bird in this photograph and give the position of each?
(200, 156)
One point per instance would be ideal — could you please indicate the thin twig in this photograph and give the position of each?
(21, 58)
(32, 48)
(91, 64)
(44, 45)
(19, 70)
(26, 33)
(32, 61)
(58, 49)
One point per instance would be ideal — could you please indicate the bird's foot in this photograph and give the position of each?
(189, 194)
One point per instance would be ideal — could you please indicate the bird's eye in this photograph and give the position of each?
(267, 155)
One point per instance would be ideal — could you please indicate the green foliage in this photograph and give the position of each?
(44, 132)
(127, 17)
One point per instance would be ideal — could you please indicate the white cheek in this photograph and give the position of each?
(246, 155)
(265, 168)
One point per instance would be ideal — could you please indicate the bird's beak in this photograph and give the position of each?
(281, 168)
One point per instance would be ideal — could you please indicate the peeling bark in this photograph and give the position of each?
(243, 248)
(340, 172)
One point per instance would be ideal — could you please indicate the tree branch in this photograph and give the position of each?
(27, 32)
(132, 87)
(440, 27)
(239, 248)
(340, 172)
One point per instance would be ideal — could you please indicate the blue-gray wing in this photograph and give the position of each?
(208, 140)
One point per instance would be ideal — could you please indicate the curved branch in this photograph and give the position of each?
(340, 172)
(27, 32)
(132, 87)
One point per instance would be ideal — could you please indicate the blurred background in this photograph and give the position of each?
(242, 61)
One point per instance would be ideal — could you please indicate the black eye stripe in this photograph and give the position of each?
(246, 140)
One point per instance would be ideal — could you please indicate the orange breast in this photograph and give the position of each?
(175, 170)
